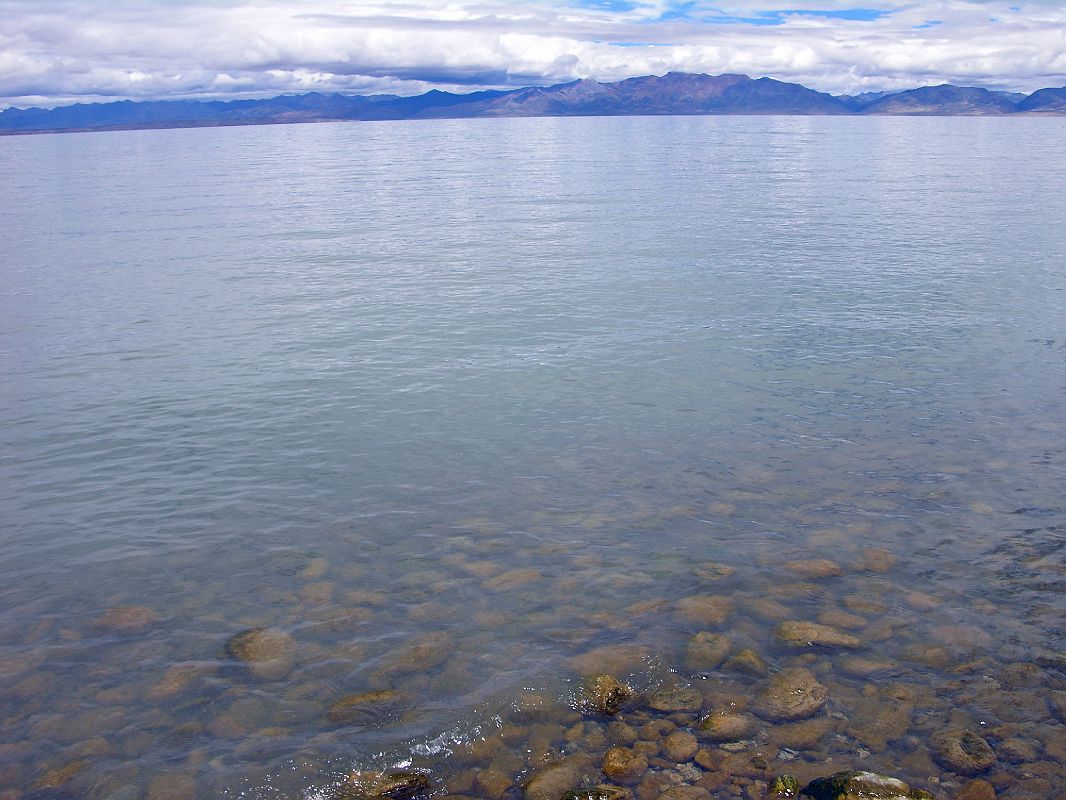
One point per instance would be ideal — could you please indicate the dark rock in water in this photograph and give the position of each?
(603, 791)
(395, 784)
(623, 765)
(962, 751)
(783, 787)
(605, 694)
(353, 707)
(791, 694)
(270, 654)
(676, 698)
(862, 786)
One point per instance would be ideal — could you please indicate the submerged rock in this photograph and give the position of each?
(605, 694)
(727, 726)
(353, 707)
(623, 765)
(962, 751)
(748, 662)
(602, 791)
(680, 746)
(395, 784)
(862, 786)
(705, 609)
(977, 790)
(676, 698)
(554, 781)
(128, 619)
(782, 788)
(613, 659)
(815, 568)
(706, 651)
(269, 653)
(808, 634)
(791, 694)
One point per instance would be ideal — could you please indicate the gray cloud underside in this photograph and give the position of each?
(56, 51)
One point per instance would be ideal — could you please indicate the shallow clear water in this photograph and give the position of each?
(338, 379)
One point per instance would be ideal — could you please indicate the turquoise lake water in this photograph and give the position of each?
(465, 410)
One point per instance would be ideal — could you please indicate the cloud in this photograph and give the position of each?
(57, 51)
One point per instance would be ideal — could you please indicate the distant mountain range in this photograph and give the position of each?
(673, 93)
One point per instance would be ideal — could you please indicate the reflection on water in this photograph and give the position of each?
(346, 447)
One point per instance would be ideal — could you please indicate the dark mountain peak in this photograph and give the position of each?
(1045, 101)
(944, 98)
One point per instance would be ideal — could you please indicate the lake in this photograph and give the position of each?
(361, 446)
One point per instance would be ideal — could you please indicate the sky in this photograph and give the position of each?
(55, 52)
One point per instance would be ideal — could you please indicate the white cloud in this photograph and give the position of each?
(55, 51)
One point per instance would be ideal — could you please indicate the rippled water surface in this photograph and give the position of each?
(461, 412)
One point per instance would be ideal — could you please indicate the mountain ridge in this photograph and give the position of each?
(675, 93)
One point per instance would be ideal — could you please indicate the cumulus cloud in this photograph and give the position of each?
(59, 51)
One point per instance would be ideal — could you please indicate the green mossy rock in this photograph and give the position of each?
(862, 786)
(605, 694)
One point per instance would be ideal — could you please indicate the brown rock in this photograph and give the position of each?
(393, 784)
(815, 568)
(807, 634)
(617, 659)
(976, 790)
(801, 735)
(680, 746)
(56, 777)
(676, 698)
(605, 694)
(128, 619)
(513, 579)
(727, 726)
(174, 786)
(835, 618)
(428, 651)
(877, 559)
(683, 792)
(962, 751)
(705, 609)
(493, 782)
(791, 694)
(623, 765)
(713, 571)
(554, 781)
(269, 653)
(707, 651)
(355, 707)
(748, 662)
